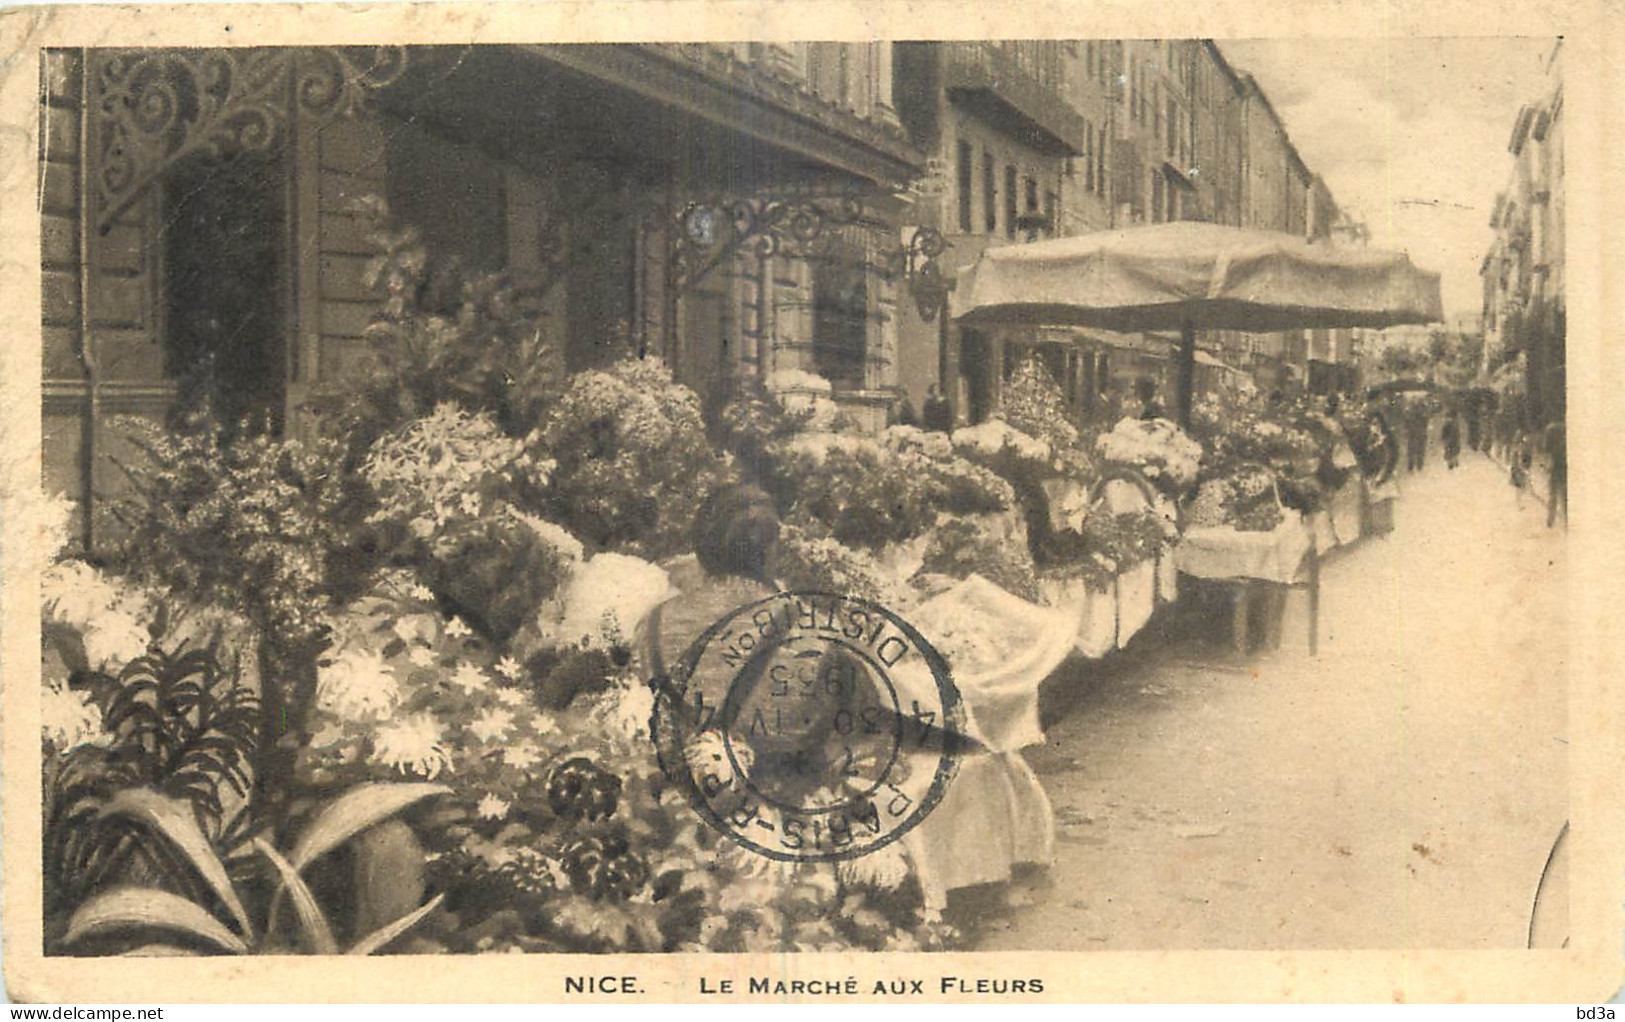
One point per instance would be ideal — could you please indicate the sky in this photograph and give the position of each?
(1409, 134)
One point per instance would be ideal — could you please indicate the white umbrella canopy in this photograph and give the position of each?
(1194, 275)
(1191, 276)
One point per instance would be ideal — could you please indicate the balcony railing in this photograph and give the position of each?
(987, 79)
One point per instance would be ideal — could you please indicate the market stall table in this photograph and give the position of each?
(1286, 556)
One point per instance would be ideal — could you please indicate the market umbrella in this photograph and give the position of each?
(1191, 276)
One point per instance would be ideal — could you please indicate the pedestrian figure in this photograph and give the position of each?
(901, 412)
(938, 413)
(1416, 438)
(1145, 389)
(1557, 469)
(1523, 459)
(1450, 434)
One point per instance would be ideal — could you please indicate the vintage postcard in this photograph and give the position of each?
(833, 502)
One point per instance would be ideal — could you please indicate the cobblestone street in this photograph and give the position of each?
(1402, 789)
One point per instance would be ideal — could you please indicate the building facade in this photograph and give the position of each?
(731, 207)
(1524, 316)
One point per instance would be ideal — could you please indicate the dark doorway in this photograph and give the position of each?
(975, 365)
(224, 279)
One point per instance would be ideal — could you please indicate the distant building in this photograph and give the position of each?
(1524, 316)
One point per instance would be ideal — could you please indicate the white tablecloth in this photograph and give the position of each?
(1136, 599)
(995, 813)
(1223, 552)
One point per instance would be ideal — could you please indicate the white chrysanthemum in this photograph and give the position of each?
(883, 869)
(358, 685)
(633, 706)
(471, 679)
(798, 380)
(55, 521)
(73, 592)
(415, 628)
(509, 668)
(492, 808)
(707, 756)
(420, 592)
(611, 586)
(68, 719)
(420, 656)
(412, 745)
(457, 629)
(542, 723)
(114, 637)
(522, 755)
(492, 724)
(510, 697)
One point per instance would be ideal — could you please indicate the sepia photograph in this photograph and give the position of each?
(1067, 494)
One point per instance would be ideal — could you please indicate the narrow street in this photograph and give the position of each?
(1400, 790)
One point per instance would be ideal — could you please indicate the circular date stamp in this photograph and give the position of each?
(810, 726)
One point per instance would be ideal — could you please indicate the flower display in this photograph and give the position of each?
(443, 465)
(1244, 500)
(1156, 448)
(810, 559)
(996, 437)
(1032, 403)
(112, 617)
(632, 459)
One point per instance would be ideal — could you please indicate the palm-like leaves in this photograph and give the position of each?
(180, 726)
(133, 911)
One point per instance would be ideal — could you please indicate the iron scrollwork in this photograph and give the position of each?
(155, 107)
(796, 226)
(806, 228)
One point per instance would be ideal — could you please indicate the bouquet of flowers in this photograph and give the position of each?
(811, 559)
(1157, 448)
(963, 547)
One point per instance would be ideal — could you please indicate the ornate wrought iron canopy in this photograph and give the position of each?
(806, 226)
(152, 108)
